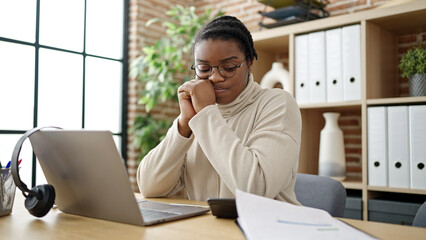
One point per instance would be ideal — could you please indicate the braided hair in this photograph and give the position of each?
(228, 28)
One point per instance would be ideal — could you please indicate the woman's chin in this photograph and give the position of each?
(223, 100)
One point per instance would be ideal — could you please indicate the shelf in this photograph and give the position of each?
(350, 105)
(396, 101)
(280, 43)
(414, 20)
(397, 190)
(352, 183)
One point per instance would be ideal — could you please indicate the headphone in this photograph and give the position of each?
(40, 199)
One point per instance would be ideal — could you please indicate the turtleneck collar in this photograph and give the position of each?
(246, 97)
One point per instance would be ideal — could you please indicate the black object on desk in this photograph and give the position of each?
(223, 207)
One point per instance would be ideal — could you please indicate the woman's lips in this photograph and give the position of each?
(218, 90)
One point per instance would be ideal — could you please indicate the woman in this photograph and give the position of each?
(230, 133)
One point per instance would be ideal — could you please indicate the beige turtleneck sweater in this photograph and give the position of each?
(251, 144)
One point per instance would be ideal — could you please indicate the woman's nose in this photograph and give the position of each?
(216, 77)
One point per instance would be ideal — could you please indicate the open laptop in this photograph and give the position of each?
(90, 179)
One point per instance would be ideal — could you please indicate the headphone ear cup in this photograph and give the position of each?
(40, 207)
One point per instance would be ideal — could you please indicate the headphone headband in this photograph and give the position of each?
(14, 162)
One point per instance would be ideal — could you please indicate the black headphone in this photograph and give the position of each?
(40, 199)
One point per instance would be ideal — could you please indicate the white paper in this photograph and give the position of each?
(265, 218)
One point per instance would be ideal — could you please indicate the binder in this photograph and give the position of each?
(377, 146)
(417, 126)
(351, 54)
(316, 53)
(398, 147)
(333, 41)
(301, 69)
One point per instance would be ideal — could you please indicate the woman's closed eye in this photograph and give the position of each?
(229, 67)
(203, 68)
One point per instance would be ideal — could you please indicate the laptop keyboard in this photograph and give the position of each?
(153, 213)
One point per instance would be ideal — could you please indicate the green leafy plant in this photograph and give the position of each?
(162, 67)
(413, 62)
(148, 132)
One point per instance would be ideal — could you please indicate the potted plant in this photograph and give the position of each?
(162, 67)
(413, 66)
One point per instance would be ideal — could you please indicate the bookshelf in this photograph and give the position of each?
(380, 29)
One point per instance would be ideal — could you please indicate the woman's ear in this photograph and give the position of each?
(249, 68)
(250, 65)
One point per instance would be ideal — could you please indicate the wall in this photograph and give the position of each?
(247, 12)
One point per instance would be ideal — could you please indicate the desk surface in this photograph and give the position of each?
(57, 225)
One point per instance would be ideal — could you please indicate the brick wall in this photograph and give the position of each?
(247, 12)
(140, 35)
(350, 123)
(339, 7)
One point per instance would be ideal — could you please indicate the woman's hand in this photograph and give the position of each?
(193, 96)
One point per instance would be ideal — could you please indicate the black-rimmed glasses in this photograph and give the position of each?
(226, 69)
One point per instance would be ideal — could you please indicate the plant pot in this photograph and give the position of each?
(417, 85)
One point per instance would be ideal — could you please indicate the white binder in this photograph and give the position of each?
(317, 83)
(301, 69)
(377, 146)
(398, 147)
(417, 118)
(333, 42)
(351, 51)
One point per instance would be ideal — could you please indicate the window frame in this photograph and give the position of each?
(124, 80)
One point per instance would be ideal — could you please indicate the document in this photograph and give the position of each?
(264, 218)
(417, 116)
(377, 146)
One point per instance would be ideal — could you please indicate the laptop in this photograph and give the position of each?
(90, 179)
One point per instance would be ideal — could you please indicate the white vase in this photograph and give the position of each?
(332, 161)
(277, 74)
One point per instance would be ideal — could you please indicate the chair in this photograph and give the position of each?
(321, 192)
(420, 218)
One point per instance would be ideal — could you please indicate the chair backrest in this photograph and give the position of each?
(321, 192)
(420, 218)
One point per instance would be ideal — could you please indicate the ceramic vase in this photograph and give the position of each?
(332, 161)
(277, 75)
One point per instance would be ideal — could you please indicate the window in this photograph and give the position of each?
(62, 63)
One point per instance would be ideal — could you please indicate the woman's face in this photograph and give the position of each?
(216, 52)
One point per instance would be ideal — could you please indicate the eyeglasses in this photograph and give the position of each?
(226, 69)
